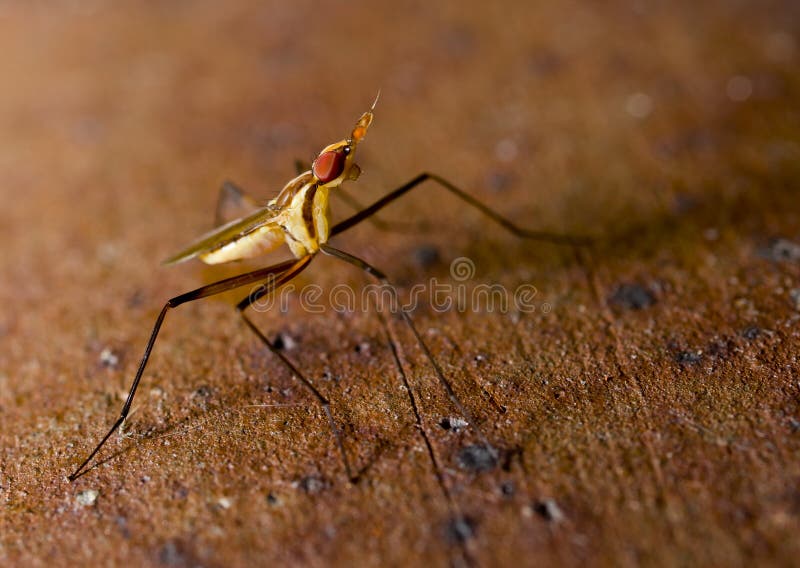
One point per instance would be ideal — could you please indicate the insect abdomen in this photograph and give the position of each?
(261, 241)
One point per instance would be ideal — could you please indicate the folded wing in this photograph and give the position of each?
(250, 236)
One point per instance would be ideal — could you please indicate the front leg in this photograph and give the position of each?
(392, 196)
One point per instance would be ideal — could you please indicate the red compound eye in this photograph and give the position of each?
(328, 166)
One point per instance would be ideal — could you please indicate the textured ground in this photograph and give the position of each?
(647, 409)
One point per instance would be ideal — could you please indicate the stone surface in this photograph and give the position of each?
(660, 429)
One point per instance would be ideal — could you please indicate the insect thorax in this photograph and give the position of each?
(306, 220)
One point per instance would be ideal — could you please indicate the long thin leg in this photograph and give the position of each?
(377, 222)
(381, 277)
(464, 196)
(268, 273)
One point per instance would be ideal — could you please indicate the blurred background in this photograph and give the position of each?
(650, 417)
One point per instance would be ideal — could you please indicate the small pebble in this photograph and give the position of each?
(201, 396)
(688, 357)
(460, 529)
(87, 498)
(453, 423)
(312, 485)
(108, 358)
(284, 341)
(202, 391)
(782, 250)
(549, 510)
(751, 332)
(363, 347)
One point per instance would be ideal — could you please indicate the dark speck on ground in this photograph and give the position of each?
(632, 297)
(460, 529)
(426, 256)
(782, 250)
(499, 181)
(313, 485)
(508, 489)
(284, 342)
(751, 332)
(688, 357)
(454, 424)
(549, 510)
(477, 458)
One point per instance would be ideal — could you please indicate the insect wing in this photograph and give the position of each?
(226, 234)
(234, 203)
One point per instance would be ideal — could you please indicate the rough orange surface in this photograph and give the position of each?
(647, 409)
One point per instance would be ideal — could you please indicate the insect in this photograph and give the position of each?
(299, 217)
